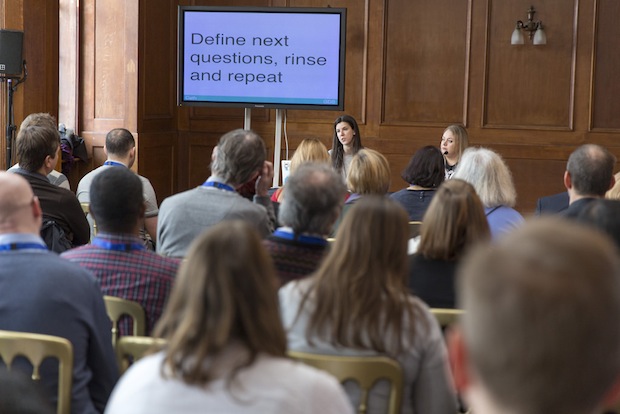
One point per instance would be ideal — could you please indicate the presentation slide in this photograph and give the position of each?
(262, 57)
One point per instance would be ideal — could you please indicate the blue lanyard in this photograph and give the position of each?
(317, 241)
(21, 246)
(221, 186)
(114, 163)
(119, 247)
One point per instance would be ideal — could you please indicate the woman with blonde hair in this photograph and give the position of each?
(453, 223)
(357, 304)
(224, 338)
(309, 150)
(454, 141)
(491, 177)
(369, 174)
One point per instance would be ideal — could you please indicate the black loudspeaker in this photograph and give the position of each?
(11, 42)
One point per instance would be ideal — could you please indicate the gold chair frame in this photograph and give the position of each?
(366, 371)
(131, 348)
(36, 348)
(117, 307)
(446, 317)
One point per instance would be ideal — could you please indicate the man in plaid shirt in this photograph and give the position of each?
(116, 256)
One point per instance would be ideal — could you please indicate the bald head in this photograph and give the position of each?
(19, 208)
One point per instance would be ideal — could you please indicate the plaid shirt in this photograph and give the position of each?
(138, 275)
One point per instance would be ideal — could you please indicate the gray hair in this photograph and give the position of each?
(312, 199)
(238, 156)
(488, 173)
(591, 168)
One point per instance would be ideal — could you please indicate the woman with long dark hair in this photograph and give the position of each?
(346, 143)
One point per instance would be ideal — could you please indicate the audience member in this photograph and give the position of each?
(314, 195)
(540, 331)
(424, 173)
(238, 158)
(453, 143)
(346, 143)
(226, 348)
(490, 176)
(117, 256)
(310, 150)
(588, 176)
(369, 174)
(42, 293)
(120, 147)
(45, 120)
(603, 215)
(37, 150)
(454, 222)
(357, 304)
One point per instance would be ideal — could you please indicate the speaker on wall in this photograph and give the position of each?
(11, 42)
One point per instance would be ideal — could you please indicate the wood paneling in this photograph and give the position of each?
(530, 86)
(606, 63)
(426, 62)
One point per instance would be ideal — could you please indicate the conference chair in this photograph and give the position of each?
(117, 307)
(414, 229)
(446, 317)
(129, 349)
(86, 210)
(365, 371)
(36, 348)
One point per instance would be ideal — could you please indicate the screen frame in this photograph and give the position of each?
(339, 106)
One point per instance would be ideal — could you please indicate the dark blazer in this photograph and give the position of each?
(577, 206)
(552, 204)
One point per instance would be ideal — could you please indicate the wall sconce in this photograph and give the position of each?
(534, 28)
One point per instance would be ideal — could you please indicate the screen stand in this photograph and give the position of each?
(277, 146)
(247, 120)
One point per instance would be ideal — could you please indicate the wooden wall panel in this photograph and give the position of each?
(606, 63)
(426, 62)
(530, 86)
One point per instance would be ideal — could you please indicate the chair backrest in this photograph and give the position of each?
(86, 210)
(446, 317)
(365, 371)
(414, 229)
(117, 307)
(131, 348)
(36, 348)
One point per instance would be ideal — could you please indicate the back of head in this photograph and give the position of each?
(119, 142)
(225, 293)
(116, 200)
(359, 289)
(310, 150)
(369, 173)
(34, 144)
(240, 155)
(461, 135)
(426, 168)
(454, 222)
(16, 199)
(314, 195)
(40, 119)
(603, 215)
(591, 169)
(540, 323)
(488, 173)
